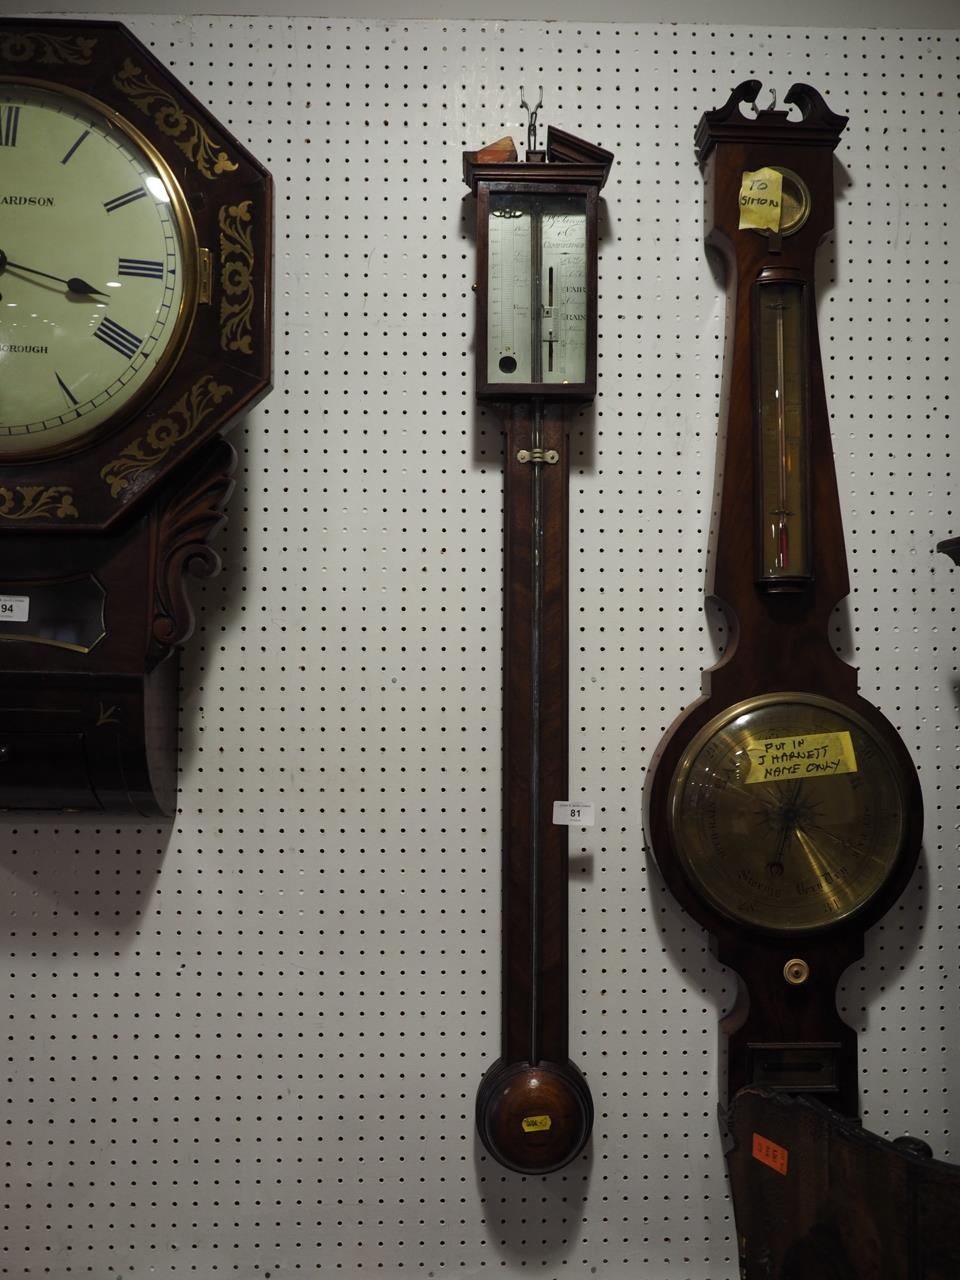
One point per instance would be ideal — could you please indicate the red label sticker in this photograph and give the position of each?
(770, 1153)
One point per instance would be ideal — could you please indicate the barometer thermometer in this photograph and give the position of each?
(782, 807)
(536, 354)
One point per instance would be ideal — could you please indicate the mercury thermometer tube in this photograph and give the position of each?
(780, 317)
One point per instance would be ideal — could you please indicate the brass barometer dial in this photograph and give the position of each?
(782, 807)
(787, 812)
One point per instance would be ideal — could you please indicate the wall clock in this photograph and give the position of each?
(135, 252)
(782, 807)
(536, 355)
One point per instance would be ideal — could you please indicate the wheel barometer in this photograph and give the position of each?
(535, 357)
(135, 238)
(782, 807)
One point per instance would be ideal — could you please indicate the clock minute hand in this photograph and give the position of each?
(74, 284)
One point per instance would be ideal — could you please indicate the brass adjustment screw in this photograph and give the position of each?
(796, 972)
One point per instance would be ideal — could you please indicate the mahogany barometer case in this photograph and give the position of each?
(537, 237)
(782, 807)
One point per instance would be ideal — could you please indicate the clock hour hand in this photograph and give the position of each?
(74, 283)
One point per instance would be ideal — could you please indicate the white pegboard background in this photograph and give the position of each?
(248, 1044)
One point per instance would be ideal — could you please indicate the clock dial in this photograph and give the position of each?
(788, 812)
(97, 269)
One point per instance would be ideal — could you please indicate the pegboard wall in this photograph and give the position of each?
(248, 1044)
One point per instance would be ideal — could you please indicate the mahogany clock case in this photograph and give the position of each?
(225, 367)
(98, 534)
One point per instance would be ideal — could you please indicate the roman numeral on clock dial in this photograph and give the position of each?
(117, 337)
(9, 124)
(143, 268)
(128, 197)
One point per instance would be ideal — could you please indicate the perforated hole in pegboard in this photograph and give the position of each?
(250, 1045)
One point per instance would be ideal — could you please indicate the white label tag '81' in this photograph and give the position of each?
(573, 813)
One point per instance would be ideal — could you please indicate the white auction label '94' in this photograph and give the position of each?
(14, 608)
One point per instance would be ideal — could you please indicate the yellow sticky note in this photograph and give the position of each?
(534, 1124)
(807, 755)
(761, 200)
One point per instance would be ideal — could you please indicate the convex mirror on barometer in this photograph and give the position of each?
(535, 354)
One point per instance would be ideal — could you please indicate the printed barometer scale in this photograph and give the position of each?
(536, 357)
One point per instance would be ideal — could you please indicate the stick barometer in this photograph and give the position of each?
(536, 356)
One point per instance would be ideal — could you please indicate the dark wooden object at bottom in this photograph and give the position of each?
(534, 1111)
(816, 1197)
